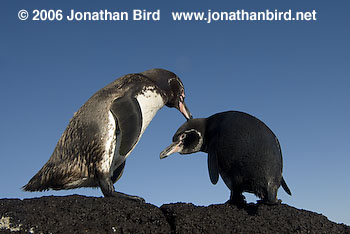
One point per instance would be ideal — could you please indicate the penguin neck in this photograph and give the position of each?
(204, 147)
(202, 127)
(150, 101)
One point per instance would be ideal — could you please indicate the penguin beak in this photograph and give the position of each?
(173, 148)
(184, 110)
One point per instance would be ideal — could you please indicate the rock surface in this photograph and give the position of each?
(80, 214)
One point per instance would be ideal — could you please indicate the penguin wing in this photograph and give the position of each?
(127, 113)
(280, 151)
(213, 164)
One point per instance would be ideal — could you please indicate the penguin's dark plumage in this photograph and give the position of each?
(102, 133)
(241, 148)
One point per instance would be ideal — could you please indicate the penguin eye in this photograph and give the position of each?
(183, 136)
(182, 98)
(192, 140)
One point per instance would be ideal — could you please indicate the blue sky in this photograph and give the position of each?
(294, 76)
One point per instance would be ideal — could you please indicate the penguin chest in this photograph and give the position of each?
(111, 145)
(150, 102)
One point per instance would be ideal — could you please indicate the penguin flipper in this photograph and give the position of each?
(127, 113)
(213, 165)
(285, 187)
(118, 173)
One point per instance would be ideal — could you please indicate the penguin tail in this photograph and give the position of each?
(285, 187)
(32, 186)
(41, 181)
(37, 183)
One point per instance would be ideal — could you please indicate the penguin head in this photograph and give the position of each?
(172, 87)
(189, 138)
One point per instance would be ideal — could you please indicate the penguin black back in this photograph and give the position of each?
(241, 148)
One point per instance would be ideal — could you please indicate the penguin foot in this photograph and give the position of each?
(128, 197)
(107, 189)
(237, 199)
(238, 203)
(270, 203)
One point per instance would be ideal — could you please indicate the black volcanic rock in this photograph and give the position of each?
(80, 214)
(225, 218)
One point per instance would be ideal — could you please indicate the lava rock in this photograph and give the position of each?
(253, 218)
(80, 214)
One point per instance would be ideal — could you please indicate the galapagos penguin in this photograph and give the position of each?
(102, 133)
(241, 148)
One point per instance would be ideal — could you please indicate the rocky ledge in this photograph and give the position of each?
(80, 214)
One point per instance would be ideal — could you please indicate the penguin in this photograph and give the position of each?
(241, 148)
(103, 132)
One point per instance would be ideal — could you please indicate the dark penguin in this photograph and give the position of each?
(102, 133)
(241, 148)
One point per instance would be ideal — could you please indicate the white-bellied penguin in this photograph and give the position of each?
(102, 133)
(241, 148)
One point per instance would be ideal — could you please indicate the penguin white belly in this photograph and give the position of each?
(150, 102)
(110, 146)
